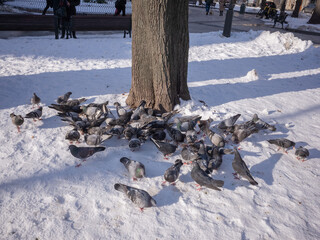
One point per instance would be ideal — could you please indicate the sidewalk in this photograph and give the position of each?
(299, 25)
(200, 22)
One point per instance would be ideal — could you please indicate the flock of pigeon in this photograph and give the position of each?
(97, 123)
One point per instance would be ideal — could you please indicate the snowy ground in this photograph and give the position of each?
(43, 195)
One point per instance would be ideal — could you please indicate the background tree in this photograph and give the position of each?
(160, 45)
(315, 18)
(296, 10)
(283, 6)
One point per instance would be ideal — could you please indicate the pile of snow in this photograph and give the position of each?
(43, 195)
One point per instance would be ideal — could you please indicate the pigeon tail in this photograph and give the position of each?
(121, 188)
(125, 161)
(253, 182)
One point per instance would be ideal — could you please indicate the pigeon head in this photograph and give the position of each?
(12, 115)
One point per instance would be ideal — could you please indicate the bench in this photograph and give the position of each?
(280, 18)
(24, 22)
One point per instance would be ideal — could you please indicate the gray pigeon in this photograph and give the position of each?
(175, 134)
(17, 120)
(75, 102)
(187, 123)
(138, 111)
(282, 143)
(243, 131)
(73, 135)
(228, 123)
(134, 144)
(84, 152)
(172, 173)
(120, 110)
(215, 138)
(260, 124)
(35, 100)
(136, 169)
(139, 197)
(189, 154)
(302, 153)
(164, 147)
(158, 134)
(96, 139)
(240, 167)
(191, 136)
(215, 158)
(63, 98)
(203, 179)
(36, 114)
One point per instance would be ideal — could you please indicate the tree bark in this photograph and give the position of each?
(296, 10)
(160, 45)
(315, 18)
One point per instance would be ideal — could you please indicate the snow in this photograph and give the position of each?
(43, 195)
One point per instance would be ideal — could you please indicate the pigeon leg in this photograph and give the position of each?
(18, 128)
(141, 209)
(134, 179)
(173, 184)
(303, 160)
(34, 120)
(163, 183)
(78, 165)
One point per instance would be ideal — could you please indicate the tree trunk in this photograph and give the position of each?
(160, 45)
(315, 18)
(283, 6)
(296, 10)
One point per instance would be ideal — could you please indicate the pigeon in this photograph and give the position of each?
(75, 102)
(17, 120)
(63, 98)
(164, 147)
(215, 138)
(138, 111)
(172, 173)
(84, 152)
(96, 139)
(203, 179)
(129, 132)
(94, 111)
(35, 100)
(134, 144)
(120, 110)
(122, 120)
(73, 135)
(159, 135)
(302, 153)
(65, 108)
(139, 197)
(189, 154)
(136, 169)
(191, 136)
(35, 114)
(187, 123)
(228, 124)
(243, 131)
(240, 167)
(215, 158)
(282, 143)
(260, 124)
(175, 134)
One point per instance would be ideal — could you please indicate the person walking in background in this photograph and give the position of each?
(49, 4)
(208, 4)
(67, 25)
(221, 7)
(57, 5)
(120, 6)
